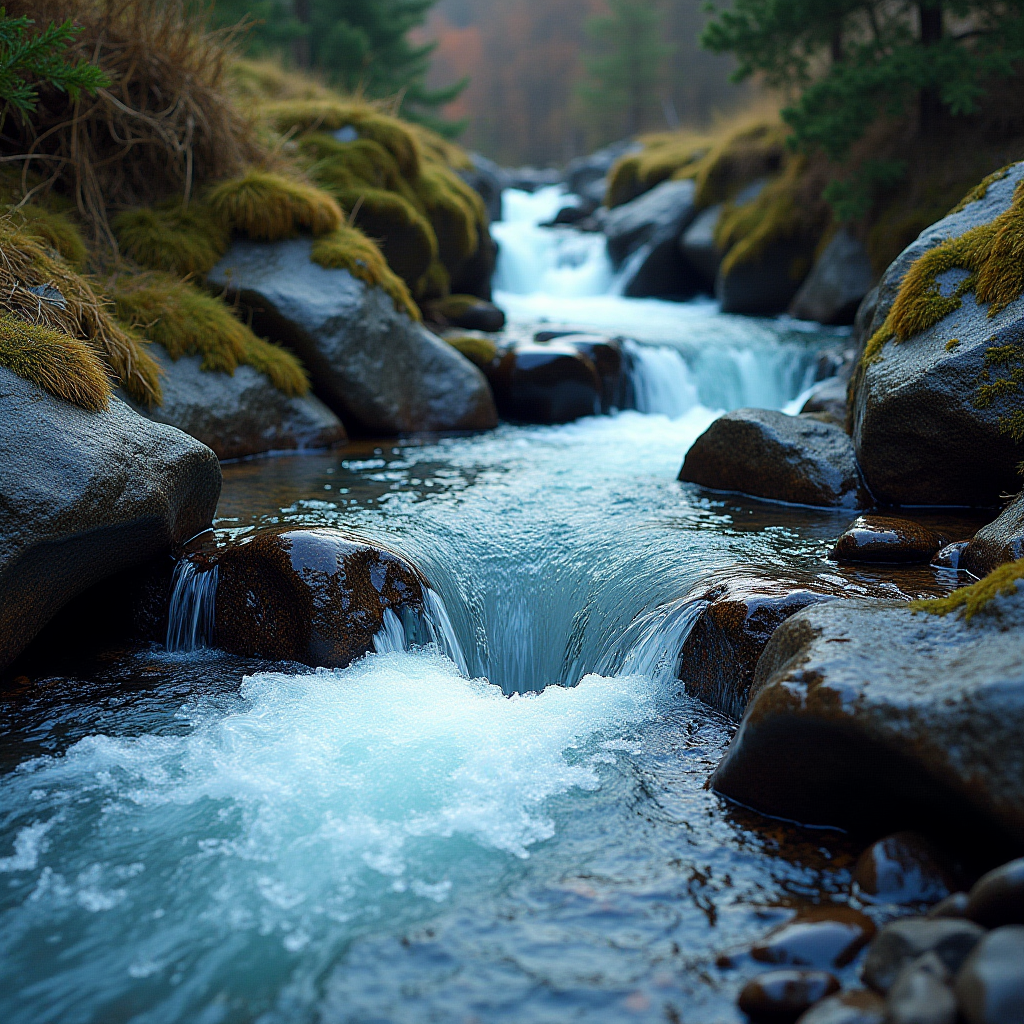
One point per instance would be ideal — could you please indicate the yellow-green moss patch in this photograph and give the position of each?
(476, 348)
(64, 366)
(456, 212)
(973, 599)
(55, 230)
(269, 206)
(186, 242)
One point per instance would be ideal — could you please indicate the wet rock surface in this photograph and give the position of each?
(1000, 541)
(609, 362)
(765, 285)
(902, 868)
(817, 937)
(867, 712)
(312, 595)
(997, 898)
(241, 414)
(921, 993)
(85, 495)
(873, 538)
(373, 366)
(468, 312)
(837, 283)
(990, 984)
(954, 905)
(950, 556)
(828, 397)
(697, 244)
(857, 1006)
(903, 942)
(771, 455)
(548, 383)
(779, 997)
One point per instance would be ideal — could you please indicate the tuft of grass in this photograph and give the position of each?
(55, 230)
(349, 249)
(187, 321)
(61, 365)
(183, 241)
(973, 599)
(269, 206)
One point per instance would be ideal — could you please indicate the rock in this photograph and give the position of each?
(902, 942)
(951, 555)
(488, 180)
(920, 437)
(480, 349)
(473, 275)
(886, 539)
(902, 868)
(921, 994)
(238, 415)
(954, 905)
(84, 496)
(837, 283)
(312, 595)
(868, 714)
(998, 897)
(606, 355)
(381, 372)
(645, 232)
(546, 384)
(467, 312)
(568, 216)
(697, 244)
(829, 396)
(990, 985)
(768, 454)
(765, 285)
(858, 1006)
(817, 937)
(1000, 541)
(586, 170)
(779, 997)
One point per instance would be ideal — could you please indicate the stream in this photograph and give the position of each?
(200, 838)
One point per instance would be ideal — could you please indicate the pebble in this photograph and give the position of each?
(921, 994)
(902, 941)
(902, 868)
(780, 997)
(998, 897)
(949, 556)
(886, 539)
(858, 1006)
(952, 906)
(817, 937)
(990, 985)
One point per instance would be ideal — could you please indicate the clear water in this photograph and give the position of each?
(195, 838)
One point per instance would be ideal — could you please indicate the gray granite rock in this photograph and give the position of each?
(837, 283)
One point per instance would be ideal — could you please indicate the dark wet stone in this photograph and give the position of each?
(779, 997)
(950, 556)
(766, 285)
(606, 355)
(828, 398)
(990, 985)
(546, 384)
(859, 1006)
(921, 994)
(697, 244)
(313, 595)
(954, 905)
(902, 868)
(886, 539)
(817, 937)
(85, 496)
(837, 283)
(904, 941)
(768, 454)
(998, 897)
(1000, 541)
(459, 311)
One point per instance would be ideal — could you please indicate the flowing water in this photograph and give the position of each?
(508, 824)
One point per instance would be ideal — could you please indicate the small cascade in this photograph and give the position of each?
(416, 628)
(659, 380)
(190, 618)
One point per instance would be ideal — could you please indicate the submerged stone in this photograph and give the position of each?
(780, 997)
(903, 942)
(998, 897)
(990, 985)
(546, 384)
(874, 538)
(857, 1006)
(817, 937)
(902, 868)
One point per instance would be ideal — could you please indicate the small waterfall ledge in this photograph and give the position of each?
(190, 619)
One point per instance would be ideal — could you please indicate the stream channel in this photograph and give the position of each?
(198, 838)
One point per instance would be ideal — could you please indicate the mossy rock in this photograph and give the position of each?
(478, 349)
(467, 311)
(269, 207)
(978, 596)
(186, 241)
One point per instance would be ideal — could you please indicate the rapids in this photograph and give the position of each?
(517, 831)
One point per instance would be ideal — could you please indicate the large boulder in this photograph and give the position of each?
(837, 283)
(766, 284)
(920, 435)
(379, 370)
(550, 383)
(999, 542)
(767, 454)
(876, 714)
(241, 414)
(643, 236)
(488, 180)
(86, 495)
(697, 244)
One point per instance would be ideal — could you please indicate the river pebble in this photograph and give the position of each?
(998, 897)
(886, 539)
(921, 994)
(903, 941)
(954, 905)
(902, 868)
(858, 1006)
(779, 997)
(990, 985)
(817, 937)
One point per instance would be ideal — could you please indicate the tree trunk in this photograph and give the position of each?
(931, 112)
(301, 52)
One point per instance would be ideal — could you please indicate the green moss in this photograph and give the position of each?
(270, 207)
(456, 212)
(664, 156)
(981, 189)
(973, 599)
(187, 242)
(952, 344)
(61, 365)
(436, 283)
(349, 249)
(56, 230)
(479, 350)
(187, 321)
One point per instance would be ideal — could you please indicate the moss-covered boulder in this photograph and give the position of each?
(884, 716)
(375, 366)
(87, 494)
(937, 407)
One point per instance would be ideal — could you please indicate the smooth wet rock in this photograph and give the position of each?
(950, 556)
(857, 1006)
(920, 436)
(829, 396)
(84, 496)
(817, 937)
(239, 414)
(997, 898)
(551, 383)
(467, 311)
(867, 713)
(767, 284)
(902, 868)
(488, 180)
(1000, 541)
(954, 905)
(837, 283)
(312, 595)
(779, 997)
(886, 539)
(990, 984)
(697, 244)
(375, 367)
(921, 994)
(607, 357)
(904, 941)
(768, 454)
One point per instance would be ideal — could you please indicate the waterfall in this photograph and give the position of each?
(417, 628)
(190, 617)
(659, 380)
